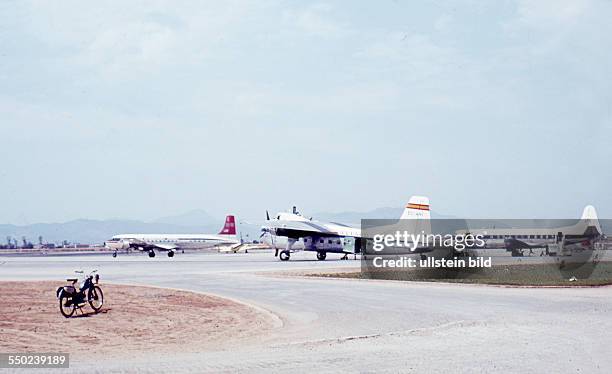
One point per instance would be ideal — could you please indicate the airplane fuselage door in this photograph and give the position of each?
(351, 245)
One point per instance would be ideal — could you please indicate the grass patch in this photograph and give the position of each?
(544, 275)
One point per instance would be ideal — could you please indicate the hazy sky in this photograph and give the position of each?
(145, 109)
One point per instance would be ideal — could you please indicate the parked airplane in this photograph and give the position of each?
(582, 235)
(172, 242)
(293, 232)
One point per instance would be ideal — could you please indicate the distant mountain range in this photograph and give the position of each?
(97, 231)
(196, 221)
(196, 217)
(93, 231)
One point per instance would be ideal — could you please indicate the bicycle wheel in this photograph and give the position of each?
(96, 298)
(66, 306)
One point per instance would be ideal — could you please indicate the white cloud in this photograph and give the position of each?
(117, 38)
(552, 13)
(443, 23)
(316, 20)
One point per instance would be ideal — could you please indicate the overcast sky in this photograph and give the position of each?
(145, 109)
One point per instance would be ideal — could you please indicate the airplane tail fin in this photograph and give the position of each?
(417, 210)
(589, 212)
(589, 218)
(230, 226)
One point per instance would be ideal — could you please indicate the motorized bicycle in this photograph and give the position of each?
(70, 297)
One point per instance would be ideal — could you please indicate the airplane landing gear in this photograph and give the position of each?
(115, 254)
(517, 253)
(285, 254)
(170, 253)
(321, 256)
(151, 253)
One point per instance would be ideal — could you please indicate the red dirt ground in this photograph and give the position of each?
(133, 320)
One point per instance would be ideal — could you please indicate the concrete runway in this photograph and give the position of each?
(333, 325)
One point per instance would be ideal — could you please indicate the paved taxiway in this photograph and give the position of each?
(369, 326)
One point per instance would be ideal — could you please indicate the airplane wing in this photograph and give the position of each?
(148, 246)
(300, 229)
(164, 247)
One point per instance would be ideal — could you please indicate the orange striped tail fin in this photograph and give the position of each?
(417, 209)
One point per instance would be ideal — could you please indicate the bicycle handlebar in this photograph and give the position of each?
(83, 272)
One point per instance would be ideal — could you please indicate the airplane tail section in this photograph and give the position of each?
(589, 212)
(230, 226)
(417, 210)
(590, 220)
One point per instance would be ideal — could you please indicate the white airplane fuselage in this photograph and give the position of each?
(172, 242)
(292, 231)
(178, 241)
(582, 235)
(331, 237)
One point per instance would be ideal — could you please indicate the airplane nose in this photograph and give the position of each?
(110, 245)
(265, 235)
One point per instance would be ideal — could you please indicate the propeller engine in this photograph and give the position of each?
(266, 230)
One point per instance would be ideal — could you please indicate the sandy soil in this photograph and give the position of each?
(134, 320)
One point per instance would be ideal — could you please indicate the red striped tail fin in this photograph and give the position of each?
(230, 226)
